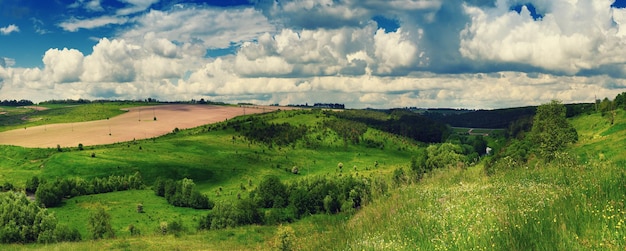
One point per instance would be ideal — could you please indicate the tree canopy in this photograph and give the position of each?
(551, 131)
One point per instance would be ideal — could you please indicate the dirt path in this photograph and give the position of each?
(137, 123)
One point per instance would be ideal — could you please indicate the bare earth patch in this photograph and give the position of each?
(137, 123)
(36, 108)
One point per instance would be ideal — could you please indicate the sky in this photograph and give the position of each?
(476, 54)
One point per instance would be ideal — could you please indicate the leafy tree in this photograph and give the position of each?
(23, 221)
(99, 224)
(551, 131)
(271, 193)
(443, 155)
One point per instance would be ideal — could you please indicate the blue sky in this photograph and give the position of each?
(368, 53)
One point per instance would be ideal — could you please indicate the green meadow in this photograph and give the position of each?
(575, 202)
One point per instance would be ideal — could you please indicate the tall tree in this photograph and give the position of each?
(551, 131)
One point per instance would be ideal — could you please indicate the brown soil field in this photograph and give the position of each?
(137, 123)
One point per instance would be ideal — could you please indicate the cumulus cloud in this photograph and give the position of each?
(572, 36)
(456, 53)
(63, 66)
(111, 61)
(11, 28)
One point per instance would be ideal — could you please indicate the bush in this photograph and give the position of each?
(285, 238)
(64, 233)
(99, 224)
(271, 192)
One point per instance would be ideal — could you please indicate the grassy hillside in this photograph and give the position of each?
(574, 203)
(224, 164)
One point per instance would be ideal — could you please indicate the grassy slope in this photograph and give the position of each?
(556, 207)
(219, 165)
(553, 207)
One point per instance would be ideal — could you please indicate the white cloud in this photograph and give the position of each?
(11, 28)
(135, 6)
(394, 50)
(213, 28)
(572, 36)
(63, 66)
(93, 5)
(74, 24)
(111, 61)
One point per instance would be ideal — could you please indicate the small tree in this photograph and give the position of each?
(99, 224)
(80, 146)
(551, 131)
(140, 208)
(285, 238)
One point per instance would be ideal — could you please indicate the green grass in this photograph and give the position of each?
(561, 206)
(122, 206)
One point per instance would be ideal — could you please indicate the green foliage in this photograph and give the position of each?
(444, 155)
(270, 133)
(64, 233)
(50, 194)
(22, 221)
(285, 238)
(551, 132)
(400, 177)
(620, 100)
(271, 192)
(228, 215)
(182, 193)
(99, 224)
(399, 122)
(32, 184)
(349, 131)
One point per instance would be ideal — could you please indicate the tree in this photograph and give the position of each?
(444, 155)
(32, 184)
(99, 224)
(551, 131)
(272, 193)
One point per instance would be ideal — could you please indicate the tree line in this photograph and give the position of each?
(51, 193)
(274, 202)
(14, 102)
(400, 122)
